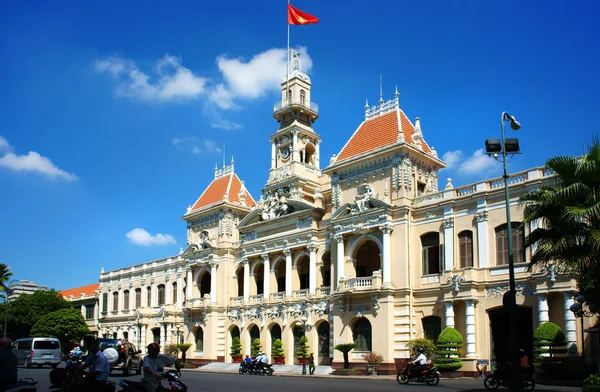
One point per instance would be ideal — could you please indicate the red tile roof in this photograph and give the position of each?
(229, 184)
(78, 291)
(378, 132)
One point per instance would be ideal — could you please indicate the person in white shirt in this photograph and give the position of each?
(99, 370)
(261, 360)
(419, 363)
(153, 365)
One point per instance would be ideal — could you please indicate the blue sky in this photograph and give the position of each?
(114, 114)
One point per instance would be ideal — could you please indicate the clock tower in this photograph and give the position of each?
(295, 147)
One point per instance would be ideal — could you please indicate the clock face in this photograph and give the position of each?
(285, 153)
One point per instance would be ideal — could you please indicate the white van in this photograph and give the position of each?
(38, 351)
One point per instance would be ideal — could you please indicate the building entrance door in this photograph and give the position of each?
(500, 331)
(323, 333)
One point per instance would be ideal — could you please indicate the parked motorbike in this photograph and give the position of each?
(24, 385)
(501, 377)
(172, 377)
(255, 368)
(430, 375)
(60, 376)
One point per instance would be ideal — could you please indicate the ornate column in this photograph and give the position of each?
(266, 276)
(162, 337)
(273, 154)
(120, 300)
(189, 285)
(143, 328)
(536, 224)
(246, 263)
(110, 302)
(131, 298)
(448, 224)
(543, 308)
(168, 337)
(482, 240)
(295, 146)
(288, 272)
(213, 282)
(179, 290)
(339, 238)
(168, 291)
(154, 294)
(470, 323)
(312, 273)
(570, 326)
(318, 155)
(449, 314)
(387, 254)
(138, 340)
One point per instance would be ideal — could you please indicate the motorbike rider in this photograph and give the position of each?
(262, 360)
(8, 365)
(419, 363)
(247, 362)
(99, 370)
(154, 363)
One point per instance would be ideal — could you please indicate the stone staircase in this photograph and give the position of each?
(279, 369)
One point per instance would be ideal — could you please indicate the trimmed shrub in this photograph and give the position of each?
(236, 347)
(550, 346)
(277, 350)
(591, 384)
(256, 347)
(448, 348)
(425, 344)
(302, 348)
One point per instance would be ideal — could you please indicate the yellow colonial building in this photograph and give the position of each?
(364, 247)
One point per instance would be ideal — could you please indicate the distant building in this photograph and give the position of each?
(85, 298)
(24, 287)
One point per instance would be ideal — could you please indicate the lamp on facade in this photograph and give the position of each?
(303, 323)
(580, 312)
(505, 147)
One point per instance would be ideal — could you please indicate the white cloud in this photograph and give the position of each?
(252, 79)
(139, 236)
(32, 162)
(211, 146)
(196, 145)
(477, 163)
(223, 123)
(4, 145)
(173, 81)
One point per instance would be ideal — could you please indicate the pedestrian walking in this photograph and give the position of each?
(311, 364)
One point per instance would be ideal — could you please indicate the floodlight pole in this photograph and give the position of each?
(516, 383)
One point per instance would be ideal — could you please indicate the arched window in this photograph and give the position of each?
(518, 237)
(104, 302)
(174, 292)
(126, 300)
(138, 298)
(465, 248)
(432, 327)
(115, 301)
(302, 97)
(431, 253)
(161, 294)
(200, 339)
(149, 296)
(205, 284)
(361, 333)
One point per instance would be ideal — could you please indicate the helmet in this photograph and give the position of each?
(420, 350)
(153, 346)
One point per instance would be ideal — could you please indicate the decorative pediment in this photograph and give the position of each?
(350, 209)
(272, 212)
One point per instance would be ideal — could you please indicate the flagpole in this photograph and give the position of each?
(287, 74)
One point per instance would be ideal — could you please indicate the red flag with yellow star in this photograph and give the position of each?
(297, 17)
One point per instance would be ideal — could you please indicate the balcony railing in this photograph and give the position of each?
(237, 300)
(324, 291)
(279, 106)
(196, 303)
(256, 298)
(278, 296)
(301, 293)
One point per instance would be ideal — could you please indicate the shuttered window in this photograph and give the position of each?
(431, 253)
(518, 238)
(465, 249)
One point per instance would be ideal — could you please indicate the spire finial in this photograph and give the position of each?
(396, 95)
(367, 103)
(223, 155)
(380, 88)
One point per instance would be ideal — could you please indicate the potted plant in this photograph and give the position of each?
(302, 350)
(373, 361)
(236, 350)
(549, 342)
(448, 348)
(256, 347)
(277, 352)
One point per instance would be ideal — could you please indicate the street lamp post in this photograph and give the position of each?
(505, 147)
(7, 291)
(304, 324)
(579, 312)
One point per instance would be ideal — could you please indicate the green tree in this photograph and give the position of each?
(25, 310)
(302, 348)
(345, 348)
(236, 347)
(448, 348)
(65, 324)
(549, 340)
(277, 350)
(256, 347)
(426, 344)
(569, 211)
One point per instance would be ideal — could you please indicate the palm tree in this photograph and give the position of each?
(569, 210)
(5, 275)
(345, 348)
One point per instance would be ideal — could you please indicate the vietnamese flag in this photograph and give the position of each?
(297, 17)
